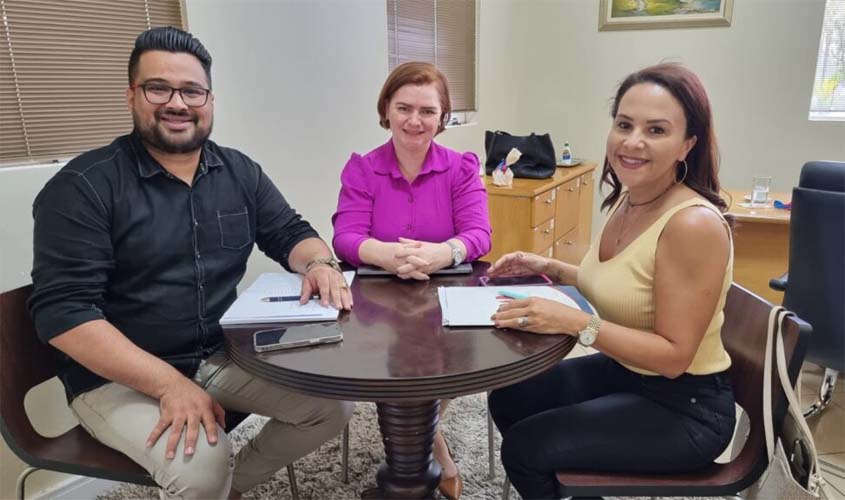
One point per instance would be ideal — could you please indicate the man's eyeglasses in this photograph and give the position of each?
(158, 93)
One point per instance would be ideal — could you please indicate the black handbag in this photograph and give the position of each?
(538, 154)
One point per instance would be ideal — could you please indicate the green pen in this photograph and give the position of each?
(512, 295)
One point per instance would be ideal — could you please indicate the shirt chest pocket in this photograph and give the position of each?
(234, 228)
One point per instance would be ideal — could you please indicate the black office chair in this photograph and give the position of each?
(815, 279)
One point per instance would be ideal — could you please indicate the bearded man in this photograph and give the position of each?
(138, 249)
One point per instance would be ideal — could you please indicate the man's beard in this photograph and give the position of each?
(155, 138)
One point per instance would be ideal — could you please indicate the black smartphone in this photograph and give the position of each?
(291, 337)
(536, 279)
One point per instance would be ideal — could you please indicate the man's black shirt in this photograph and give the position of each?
(119, 238)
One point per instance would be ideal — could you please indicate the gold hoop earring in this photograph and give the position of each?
(686, 171)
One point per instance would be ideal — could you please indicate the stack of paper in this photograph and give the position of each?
(274, 298)
(474, 305)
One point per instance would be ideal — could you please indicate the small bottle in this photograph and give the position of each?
(566, 155)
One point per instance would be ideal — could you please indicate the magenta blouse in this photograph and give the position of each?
(446, 200)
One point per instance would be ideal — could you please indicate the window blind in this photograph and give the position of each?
(63, 73)
(828, 100)
(442, 32)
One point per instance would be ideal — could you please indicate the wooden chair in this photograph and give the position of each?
(744, 336)
(25, 363)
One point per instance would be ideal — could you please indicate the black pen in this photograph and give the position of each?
(286, 298)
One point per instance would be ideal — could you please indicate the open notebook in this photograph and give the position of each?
(253, 306)
(473, 305)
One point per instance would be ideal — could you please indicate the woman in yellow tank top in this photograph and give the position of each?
(655, 398)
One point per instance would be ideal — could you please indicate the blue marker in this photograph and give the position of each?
(513, 295)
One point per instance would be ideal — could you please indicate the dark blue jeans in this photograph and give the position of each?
(591, 413)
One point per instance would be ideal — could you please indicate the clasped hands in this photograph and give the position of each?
(534, 314)
(414, 259)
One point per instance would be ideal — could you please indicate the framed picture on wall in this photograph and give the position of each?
(648, 14)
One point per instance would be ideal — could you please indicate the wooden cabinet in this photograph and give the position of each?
(551, 217)
(761, 244)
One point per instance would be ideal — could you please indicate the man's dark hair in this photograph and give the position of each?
(169, 39)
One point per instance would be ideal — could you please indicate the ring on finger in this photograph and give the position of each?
(344, 286)
(522, 321)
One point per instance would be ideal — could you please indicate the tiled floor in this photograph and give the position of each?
(828, 428)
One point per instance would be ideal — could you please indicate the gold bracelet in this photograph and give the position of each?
(328, 261)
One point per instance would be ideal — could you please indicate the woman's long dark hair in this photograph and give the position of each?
(702, 162)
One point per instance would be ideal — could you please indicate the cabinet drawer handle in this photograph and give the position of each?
(568, 242)
(547, 231)
(571, 190)
(549, 201)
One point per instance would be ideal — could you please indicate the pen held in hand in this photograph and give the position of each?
(512, 295)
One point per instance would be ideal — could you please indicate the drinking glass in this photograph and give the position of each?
(760, 190)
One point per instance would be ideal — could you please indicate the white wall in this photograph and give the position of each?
(758, 73)
(297, 87)
(296, 83)
(18, 187)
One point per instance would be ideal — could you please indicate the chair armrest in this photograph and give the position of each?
(779, 283)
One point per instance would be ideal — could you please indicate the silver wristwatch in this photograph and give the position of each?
(457, 254)
(587, 336)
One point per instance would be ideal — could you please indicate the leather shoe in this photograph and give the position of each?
(451, 487)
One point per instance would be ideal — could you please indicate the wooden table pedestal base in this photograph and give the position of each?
(410, 470)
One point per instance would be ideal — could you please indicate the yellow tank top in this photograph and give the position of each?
(622, 290)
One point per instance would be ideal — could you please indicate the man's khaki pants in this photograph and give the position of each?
(123, 418)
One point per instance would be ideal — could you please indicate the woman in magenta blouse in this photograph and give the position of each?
(412, 206)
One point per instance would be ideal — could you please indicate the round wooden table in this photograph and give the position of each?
(396, 353)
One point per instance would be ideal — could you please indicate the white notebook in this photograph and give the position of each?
(252, 305)
(473, 305)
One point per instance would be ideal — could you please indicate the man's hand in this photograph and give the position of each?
(330, 284)
(103, 349)
(184, 403)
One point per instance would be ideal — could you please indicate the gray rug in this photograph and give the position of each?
(318, 475)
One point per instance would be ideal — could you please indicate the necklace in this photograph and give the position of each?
(628, 198)
(629, 205)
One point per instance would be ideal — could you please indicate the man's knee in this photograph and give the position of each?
(205, 475)
(318, 412)
(338, 413)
